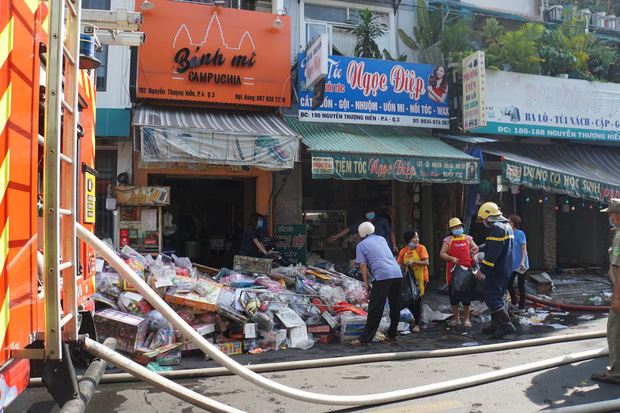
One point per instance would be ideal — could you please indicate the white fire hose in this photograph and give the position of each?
(328, 399)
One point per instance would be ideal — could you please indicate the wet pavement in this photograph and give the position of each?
(570, 289)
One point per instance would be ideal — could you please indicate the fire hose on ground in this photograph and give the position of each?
(255, 378)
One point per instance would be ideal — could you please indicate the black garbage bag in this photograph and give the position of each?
(411, 290)
(465, 285)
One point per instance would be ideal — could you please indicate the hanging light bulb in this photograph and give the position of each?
(556, 208)
(572, 208)
(566, 202)
(600, 207)
(590, 207)
(582, 204)
(527, 200)
(546, 199)
(540, 201)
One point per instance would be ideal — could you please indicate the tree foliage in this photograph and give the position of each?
(367, 30)
(427, 31)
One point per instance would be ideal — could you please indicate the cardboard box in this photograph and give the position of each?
(297, 334)
(127, 329)
(319, 329)
(203, 302)
(250, 330)
(142, 195)
(352, 326)
(272, 340)
(231, 348)
(252, 264)
(145, 355)
(542, 282)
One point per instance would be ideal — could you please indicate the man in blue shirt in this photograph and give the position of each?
(382, 228)
(373, 252)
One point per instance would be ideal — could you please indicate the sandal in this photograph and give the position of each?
(356, 342)
(467, 323)
(416, 329)
(454, 322)
(603, 378)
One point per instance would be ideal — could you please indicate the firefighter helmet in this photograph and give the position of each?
(488, 209)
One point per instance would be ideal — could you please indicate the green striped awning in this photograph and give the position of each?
(349, 151)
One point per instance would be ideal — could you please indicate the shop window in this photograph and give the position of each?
(335, 21)
(105, 164)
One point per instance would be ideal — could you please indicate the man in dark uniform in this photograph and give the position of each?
(382, 226)
(496, 268)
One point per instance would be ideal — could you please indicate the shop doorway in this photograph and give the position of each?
(209, 214)
(580, 243)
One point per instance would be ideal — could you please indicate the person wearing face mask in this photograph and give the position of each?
(521, 262)
(252, 240)
(496, 267)
(414, 255)
(612, 374)
(460, 249)
(382, 228)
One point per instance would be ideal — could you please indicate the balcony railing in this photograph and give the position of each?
(597, 22)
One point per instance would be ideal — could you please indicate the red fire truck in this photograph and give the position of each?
(47, 185)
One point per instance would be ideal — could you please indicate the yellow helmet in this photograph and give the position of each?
(454, 222)
(488, 209)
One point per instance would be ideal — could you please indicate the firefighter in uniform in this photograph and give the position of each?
(496, 268)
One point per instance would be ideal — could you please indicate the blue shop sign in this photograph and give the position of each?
(378, 92)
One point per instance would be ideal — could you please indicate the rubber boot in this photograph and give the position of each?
(505, 326)
(493, 327)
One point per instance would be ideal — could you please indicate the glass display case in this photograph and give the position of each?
(140, 228)
(322, 224)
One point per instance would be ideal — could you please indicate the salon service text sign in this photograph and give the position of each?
(378, 92)
(531, 105)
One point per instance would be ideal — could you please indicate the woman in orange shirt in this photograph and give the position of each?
(415, 256)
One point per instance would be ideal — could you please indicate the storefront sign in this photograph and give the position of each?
(201, 53)
(185, 145)
(529, 105)
(353, 166)
(379, 92)
(292, 242)
(542, 178)
(316, 61)
(474, 91)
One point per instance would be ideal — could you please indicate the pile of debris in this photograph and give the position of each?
(251, 308)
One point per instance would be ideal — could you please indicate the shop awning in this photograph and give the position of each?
(581, 171)
(348, 151)
(228, 137)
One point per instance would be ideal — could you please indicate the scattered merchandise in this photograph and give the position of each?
(251, 308)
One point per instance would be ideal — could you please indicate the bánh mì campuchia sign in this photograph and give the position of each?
(200, 53)
(378, 92)
(530, 105)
